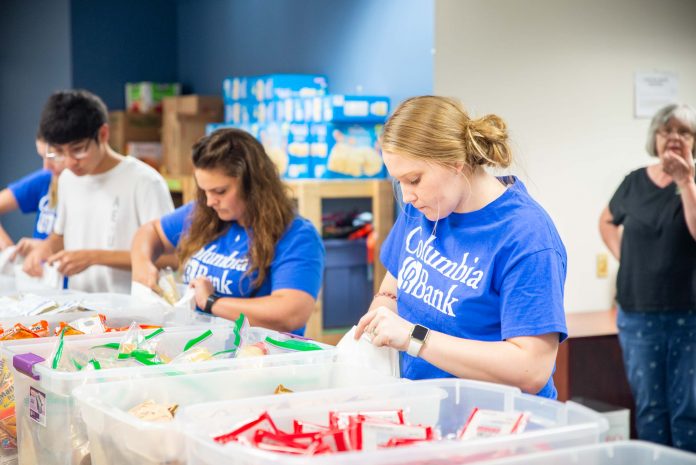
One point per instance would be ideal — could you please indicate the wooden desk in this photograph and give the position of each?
(589, 363)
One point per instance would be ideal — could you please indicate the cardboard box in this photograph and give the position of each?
(149, 152)
(355, 109)
(184, 121)
(146, 97)
(346, 151)
(125, 127)
(273, 86)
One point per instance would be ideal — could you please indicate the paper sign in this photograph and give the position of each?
(654, 90)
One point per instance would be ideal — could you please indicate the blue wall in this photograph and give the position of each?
(384, 46)
(120, 41)
(34, 62)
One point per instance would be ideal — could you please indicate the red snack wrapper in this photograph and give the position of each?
(299, 426)
(247, 430)
(487, 423)
(341, 419)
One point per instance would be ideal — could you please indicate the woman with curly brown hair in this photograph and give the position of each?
(243, 248)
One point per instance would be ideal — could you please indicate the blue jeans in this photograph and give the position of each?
(659, 353)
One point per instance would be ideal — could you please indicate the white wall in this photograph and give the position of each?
(560, 72)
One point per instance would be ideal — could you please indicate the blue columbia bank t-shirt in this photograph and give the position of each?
(31, 193)
(298, 262)
(488, 275)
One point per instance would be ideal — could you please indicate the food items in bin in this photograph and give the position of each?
(152, 411)
(137, 348)
(35, 305)
(257, 349)
(486, 423)
(363, 431)
(345, 431)
(167, 285)
(280, 389)
(8, 421)
(19, 331)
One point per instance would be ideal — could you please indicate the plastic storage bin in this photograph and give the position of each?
(120, 311)
(443, 403)
(117, 437)
(609, 453)
(7, 285)
(347, 291)
(59, 435)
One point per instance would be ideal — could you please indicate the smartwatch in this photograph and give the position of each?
(419, 334)
(212, 298)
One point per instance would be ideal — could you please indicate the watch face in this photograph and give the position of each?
(419, 332)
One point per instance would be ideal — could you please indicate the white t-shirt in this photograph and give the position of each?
(104, 211)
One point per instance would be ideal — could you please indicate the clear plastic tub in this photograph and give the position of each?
(117, 437)
(58, 436)
(119, 309)
(444, 403)
(7, 285)
(608, 453)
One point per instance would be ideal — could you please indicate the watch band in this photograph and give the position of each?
(414, 347)
(419, 334)
(210, 301)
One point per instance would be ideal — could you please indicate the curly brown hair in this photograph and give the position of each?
(268, 206)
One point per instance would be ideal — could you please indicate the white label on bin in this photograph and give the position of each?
(37, 406)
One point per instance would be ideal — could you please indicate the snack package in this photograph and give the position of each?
(63, 359)
(95, 324)
(168, 293)
(193, 351)
(167, 284)
(487, 423)
(280, 389)
(257, 349)
(140, 347)
(291, 344)
(8, 421)
(19, 331)
(149, 410)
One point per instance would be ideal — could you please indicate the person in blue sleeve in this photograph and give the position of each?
(243, 248)
(34, 193)
(476, 268)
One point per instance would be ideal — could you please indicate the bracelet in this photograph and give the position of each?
(386, 294)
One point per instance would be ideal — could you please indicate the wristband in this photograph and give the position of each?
(385, 294)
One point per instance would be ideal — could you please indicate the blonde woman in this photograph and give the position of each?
(476, 269)
(34, 193)
(243, 247)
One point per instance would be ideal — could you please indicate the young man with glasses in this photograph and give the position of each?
(103, 197)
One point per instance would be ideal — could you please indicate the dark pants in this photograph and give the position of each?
(659, 353)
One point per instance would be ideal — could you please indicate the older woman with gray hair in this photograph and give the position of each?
(650, 227)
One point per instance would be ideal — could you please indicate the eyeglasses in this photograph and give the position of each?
(78, 153)
(682, 133)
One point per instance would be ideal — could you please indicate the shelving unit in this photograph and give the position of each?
(309, 195)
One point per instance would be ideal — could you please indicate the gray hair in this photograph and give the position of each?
(682, 112)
